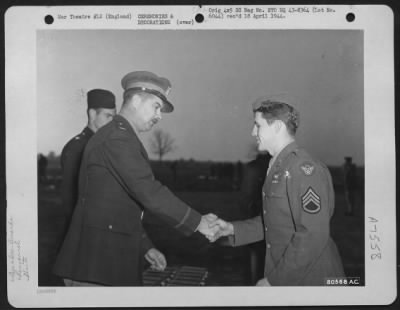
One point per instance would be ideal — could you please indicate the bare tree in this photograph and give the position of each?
(162, 143)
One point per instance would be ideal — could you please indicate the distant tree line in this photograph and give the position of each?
(189, 174)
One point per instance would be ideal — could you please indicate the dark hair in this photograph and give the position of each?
(273, 110)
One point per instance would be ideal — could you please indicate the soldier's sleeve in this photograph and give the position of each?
(132, 170)
(71, 161)
(310, 193)
(247, 231)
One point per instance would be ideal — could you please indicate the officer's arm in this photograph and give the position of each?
(132, 170)
(310, 204)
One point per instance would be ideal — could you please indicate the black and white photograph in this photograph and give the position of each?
(190, 148)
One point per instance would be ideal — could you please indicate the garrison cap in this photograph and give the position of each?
(100, 98)
(150, 83)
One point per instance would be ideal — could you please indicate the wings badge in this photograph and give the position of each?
(307, 168)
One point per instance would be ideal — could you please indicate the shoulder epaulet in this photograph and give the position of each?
(306, 165)
(80, 136)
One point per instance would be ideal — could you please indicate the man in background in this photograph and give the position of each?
(100, 111)
(350, 185)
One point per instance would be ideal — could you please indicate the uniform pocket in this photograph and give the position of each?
(277, 190)
(111, 223)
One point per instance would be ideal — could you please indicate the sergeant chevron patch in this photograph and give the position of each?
(310, 201)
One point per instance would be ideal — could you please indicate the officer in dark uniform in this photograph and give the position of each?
(100, 111)
(298, 203)
(106, 240)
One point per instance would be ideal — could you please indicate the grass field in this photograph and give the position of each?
(228, 266)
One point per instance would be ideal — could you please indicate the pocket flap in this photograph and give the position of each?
(277, 190)
(112, 224)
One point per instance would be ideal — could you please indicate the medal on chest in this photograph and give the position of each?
(278, 176)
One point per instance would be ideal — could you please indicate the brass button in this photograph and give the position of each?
(109, 226)
(266, 228)
(268, 246)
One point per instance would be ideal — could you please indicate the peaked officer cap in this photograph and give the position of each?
(150, 83)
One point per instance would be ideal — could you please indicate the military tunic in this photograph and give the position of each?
(71, 157)
(106, 240)
(298, 203)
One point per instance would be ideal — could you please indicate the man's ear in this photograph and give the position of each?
(92, 114)
(278, 124)
(135, 101)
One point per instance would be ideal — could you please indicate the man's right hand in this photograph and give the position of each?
(223, 229)
(205, 225)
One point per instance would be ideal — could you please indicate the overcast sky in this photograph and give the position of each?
(215, 76)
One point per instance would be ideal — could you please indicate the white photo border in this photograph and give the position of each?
(21, 24)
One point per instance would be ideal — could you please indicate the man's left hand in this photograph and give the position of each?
(156, 259)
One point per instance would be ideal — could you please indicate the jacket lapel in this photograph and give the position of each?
(282, 156)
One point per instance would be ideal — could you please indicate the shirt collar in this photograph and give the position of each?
(88, 132)
(283, 153)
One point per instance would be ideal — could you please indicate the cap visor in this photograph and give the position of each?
(167, 107)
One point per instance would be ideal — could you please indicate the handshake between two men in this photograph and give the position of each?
(213, 227)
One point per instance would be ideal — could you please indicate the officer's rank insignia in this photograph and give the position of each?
(311, 202)
(121, 126)
(307, 168)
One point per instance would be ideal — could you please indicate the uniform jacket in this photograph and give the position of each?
(106, 241)
(298, 203)
(71, 157)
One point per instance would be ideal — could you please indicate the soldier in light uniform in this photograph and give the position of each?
(298, 203)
